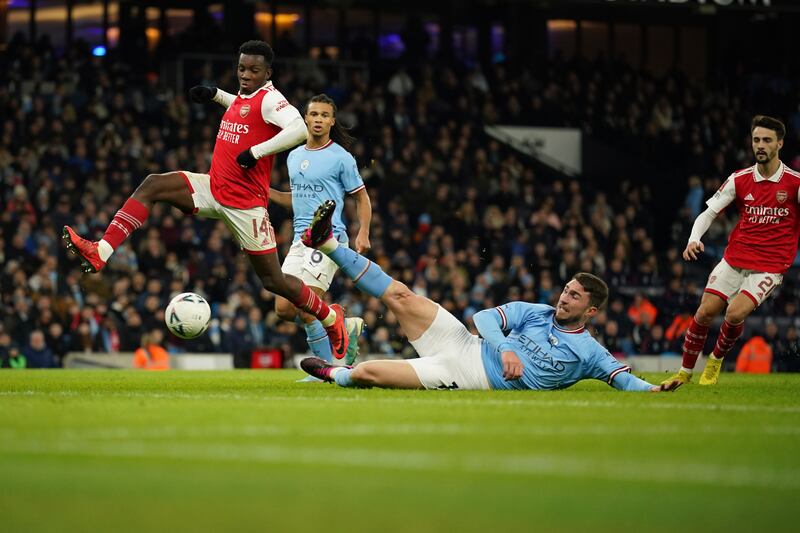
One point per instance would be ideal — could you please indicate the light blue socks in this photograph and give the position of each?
(318, 341)
(367, 276)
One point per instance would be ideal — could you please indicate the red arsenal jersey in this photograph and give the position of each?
(765, 238)
(248, 121)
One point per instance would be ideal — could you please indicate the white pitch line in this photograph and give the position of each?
(533, 464)
(535, 399)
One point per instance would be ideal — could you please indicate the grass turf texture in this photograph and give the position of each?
(255, 451)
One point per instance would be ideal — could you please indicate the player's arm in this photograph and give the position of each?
(282, 198)
(491, 324)
(352, 183)
(607, 368)
(364, 214)
(716, 204)
(276, 110)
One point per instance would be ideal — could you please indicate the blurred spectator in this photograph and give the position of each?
(58, 341)
(653, 341)
(695, 197)
(641, 311)
(787, 352)
(151, 355)
(755, 356)
(9, 353)
(617, 345)
(109, 339)
(240, 343)
(37, 354)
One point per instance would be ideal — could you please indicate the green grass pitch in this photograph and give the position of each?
(248, 451)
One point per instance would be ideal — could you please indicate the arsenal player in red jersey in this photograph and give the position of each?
(760, 249)
(259, 122)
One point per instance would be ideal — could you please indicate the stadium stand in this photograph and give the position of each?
(457, 215)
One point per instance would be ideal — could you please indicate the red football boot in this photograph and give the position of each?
(337, 333)
(86, 250)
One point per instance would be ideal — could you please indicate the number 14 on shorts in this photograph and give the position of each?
(263, 229)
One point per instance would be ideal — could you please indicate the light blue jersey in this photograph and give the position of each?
(319, 174)
(553, 358)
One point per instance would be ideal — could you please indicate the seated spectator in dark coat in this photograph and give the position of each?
(37, 353)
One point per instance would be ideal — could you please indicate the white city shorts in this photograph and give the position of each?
(450, 356)
(251, 227)
(312, 266)
(726, 281)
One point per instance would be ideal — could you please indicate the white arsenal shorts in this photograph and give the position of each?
(251, 227)
(726, 282)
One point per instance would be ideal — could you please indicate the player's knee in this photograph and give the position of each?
(735, 316)
(398, 295)
(705, 315)
(273, 283)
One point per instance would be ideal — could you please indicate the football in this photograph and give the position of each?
(187, 315)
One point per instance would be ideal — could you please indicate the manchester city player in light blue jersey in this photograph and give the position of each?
(320, 170)
(524, 346)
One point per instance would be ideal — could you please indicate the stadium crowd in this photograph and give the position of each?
(457, 216)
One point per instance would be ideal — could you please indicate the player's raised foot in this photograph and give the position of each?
(710, 374)
(318, 368)
(683, 376)
(354, 326)
(337, 333)
(321, 228)
(85, 249)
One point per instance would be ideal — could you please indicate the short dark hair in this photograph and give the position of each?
(258, 48)
(596, 287)
(339, 133)
(763, 121)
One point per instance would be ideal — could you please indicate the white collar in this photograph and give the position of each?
(775, 178)
(252, 94)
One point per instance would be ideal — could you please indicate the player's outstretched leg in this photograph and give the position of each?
(414, 313)
(385, 374)
(171, 188)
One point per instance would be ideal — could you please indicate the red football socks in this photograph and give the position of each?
(311, 303)
(693, 343)
(131, 217)
(728, 335)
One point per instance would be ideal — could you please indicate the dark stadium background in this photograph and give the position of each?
(93, 98)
